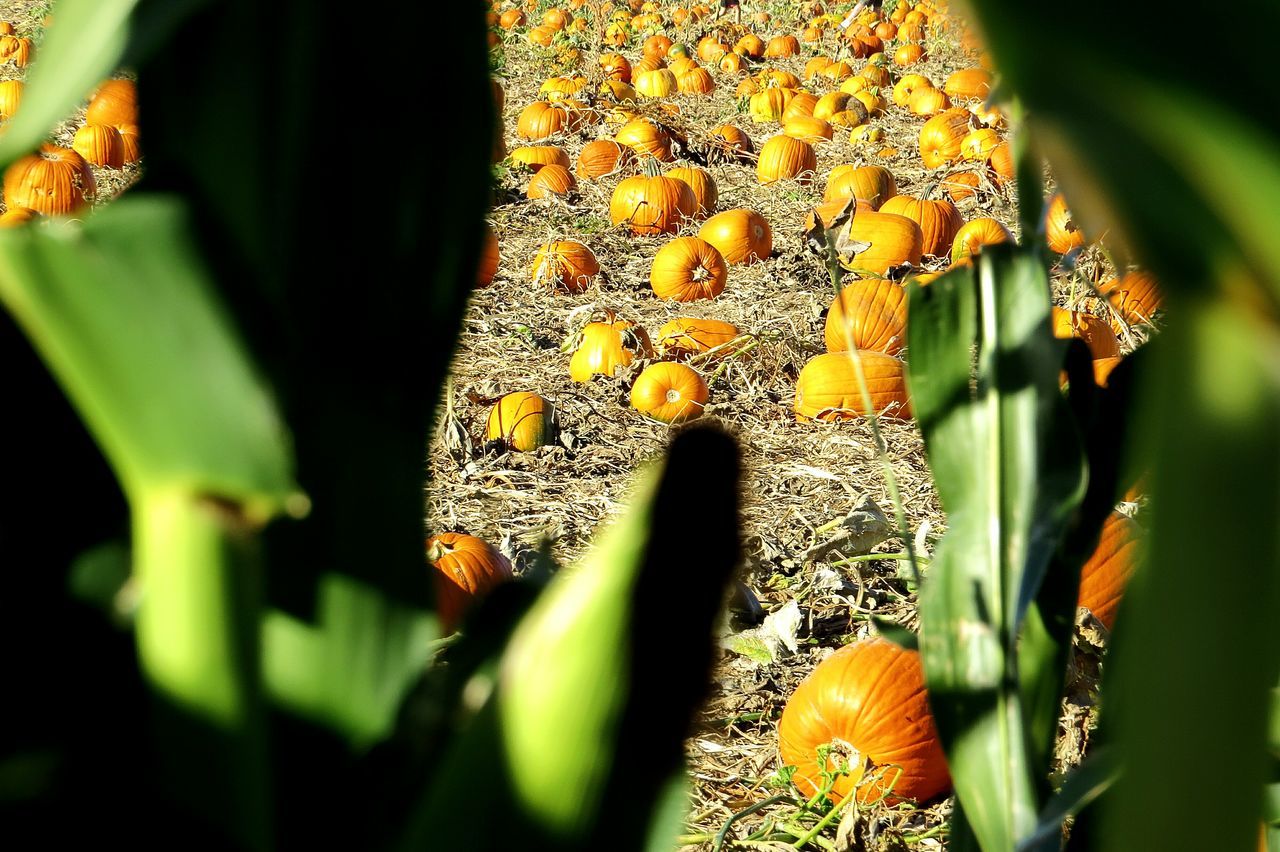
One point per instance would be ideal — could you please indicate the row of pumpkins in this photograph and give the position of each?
(868, 697)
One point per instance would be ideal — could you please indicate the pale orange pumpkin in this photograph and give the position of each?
(928, 102)
(10, 97)
(523, 421)
(566, 265)
(687, 269)
(646, 138)
(741, 236)
(893, 239)
(537, 156)
(873, 313)
(686, 336)
(828, 388)
(670, 392)
(907, 86)
(968, 83)
(605, 346)
(540, 120)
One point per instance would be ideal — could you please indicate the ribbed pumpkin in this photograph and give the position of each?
(523, 421)
(1104, 576)
(938, 220)
(750, 45)
(800, 105)
(828, 389)
(769, 105)
(941, 136)
(733, 138)
(541, 119)
(114, 102)
(551, 180)
(968, 83)
(731, 63)
(960, 185)
(100, 145)
(705, 194)
(781, 47)
(687, 269)
(652, 204)
(55, 181)
(1001, 163)
(741, 236)
(511, 19)
(908, 54)
(467, 569)
(603, 156)
(871, 184)
(1060, 229)
(782, 158)
(655, 84)
(907, 86)
(15, 216)
(615, 66)
(975, 234)
(489, 258)
(129, 145)
(670, 392)
(894, 239)
(10, 97)
(978, 145)
(645, 138)
(656, 47)
(928, 102)
(873, 312)
(567, 265)
(685, 336)
(537, 156)
(1097, 334)
(696, 81)
(868, 701)
(1136, 296)
(832, 103)
(605, 346)
(808, 129)
(16, 50)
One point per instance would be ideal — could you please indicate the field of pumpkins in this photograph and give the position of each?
(667, 178)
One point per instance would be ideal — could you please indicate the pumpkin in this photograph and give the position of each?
(782, 158)
(1097, 334)
(836, 71)
(873, 313)
(750, 45)
(656, 46)
(814, 66)
(940, 137)
(968, 83)
(908, 54)
(557, 19)
(871, 184)
(652, 204)
(828, 389)
(960, 185)
(645, 138)
(1060, 229)
(561, 88)
(979, 144)
(54, 181)
(1102, 368)
(800, 105)
(467, 569)
(832, 103)
(938, 220)
(733, 138)
(808, 129)
(710, 49)
(893, 239)
(15, 216)
(868, 700)
(488, 258)
(10, 97)
(705, 194)
(685, 336)
(741, 236)
(670, 392)
(511, 18)
(975, 234)
(928, 102)
(688, 268)
(551, 180)
(605, 346)
(537, 156)
(114, 102)
(564, 264)
(1106, 573)
(130, 149)
(907, 86)
(872, 102)
(782, 47)
(731, 63)
(523, 421)
(615, 66)
(603, 156)
(15, 50)
(768, 105)
(876, 76)
(1001, 162)
(1136, 296)
(541, 119)
(696, 81)
(655, 84)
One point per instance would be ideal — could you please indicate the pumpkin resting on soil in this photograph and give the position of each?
(467, 568)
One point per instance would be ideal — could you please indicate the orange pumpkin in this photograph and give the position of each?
(696, 81)
(732, 139)
(1097, 334)
(685, 336)
(541, 119)
(658, 83)
(550, 181)
(605, 346)
(537, 156)
(873, 313)
(670, 392)
(928, 102)
(511, 18)
(688, 268)
(646, 138)
(10, 97)
(975, 234)
(938, 220)
(467, 569)
(867, 700)
(488, 258)
(1135, 296)
(1001, 162)
(741, 236)
(907, 86)
(615, 66)
(15, 216)
(523, 421)
(799, 105)
(129, 145)
(705, 194)
(16, 50)
(909, 54)
(1104, 576)
(782, 158)
(828, 388)
(1060, 229)
(603, 156)
(893, 239)
(940, 137)
(968, 83)
(100, 145)
(781, 47)
(652, 204)
(871, 184)
(960, 185)
(565, 264)
(55, 181)
(978, 145)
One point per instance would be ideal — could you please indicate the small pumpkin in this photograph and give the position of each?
(800, 105)
(975, 234)
(705, 194)
(782, 47)
(552, 180)
(871, 184)
(873, 313)
(652, 204)
(696, 81)
(768, 105)
(645, 138)
(732, 139)
(686, 336)
(1094, 332)
(907, 86)
(615, 66)
(741, 236)
(1060, 229)
(16, 50)
(54, 181)
(537, 156)
(540, 120)
(687, 269)
(605, 346)
(603, 156)
(10, 97)
(782, 158)
(467, 569)
(670, 392)
(868, 701)
(566, 265)
(1106, 573)
(828, 388)
(659, 83)
(928, 102)
(808, 129)
(978, 145)
(909, 54)
(960, 185)
(940, 137)
(522, 420)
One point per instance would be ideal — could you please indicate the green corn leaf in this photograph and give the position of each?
(82, 46)
(1083, 786)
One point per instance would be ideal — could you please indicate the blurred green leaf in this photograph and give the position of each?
(81, 47)
(98, 574)
(1083, 786)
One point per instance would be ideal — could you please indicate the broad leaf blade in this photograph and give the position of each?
(1083, 786)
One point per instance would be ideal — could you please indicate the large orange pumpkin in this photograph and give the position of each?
(54, 181)
(938, 220)
(1136, 296)
(741, 236)
(99, 144)
(782, 158)
(940, 137)
(873, 184)
(828, 387)
(873, 312)
(868, 701)
(467, 569)
(605, 346)
(1104, 576)
(565, 264)
(703, 185)
(687, 269)
(652, 204)
(522, 420)
(893, 239)
(685, 336)
(670, 392)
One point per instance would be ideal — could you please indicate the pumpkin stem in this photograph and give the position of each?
(437, 551)
(650, 166)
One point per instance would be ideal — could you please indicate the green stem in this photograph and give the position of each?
(826, 820)
(724, 831)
